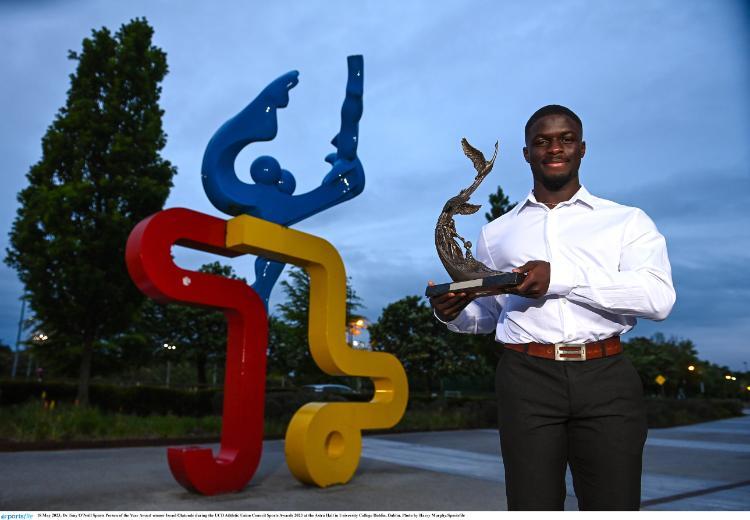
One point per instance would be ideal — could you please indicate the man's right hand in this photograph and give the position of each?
(449, 305)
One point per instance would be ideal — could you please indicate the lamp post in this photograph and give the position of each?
(355, 328)
(166, 346)
(18, 339)
(38, 338)
(169, 363)
(694, 369)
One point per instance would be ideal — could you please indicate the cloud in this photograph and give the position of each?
(693, 196)
(663, 94)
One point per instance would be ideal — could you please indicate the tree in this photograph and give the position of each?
(429, 352)
(99, 175)
(289, 351)
(199, 335)
(670, 358)
(499, 205)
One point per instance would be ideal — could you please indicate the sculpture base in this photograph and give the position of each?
(495, 284)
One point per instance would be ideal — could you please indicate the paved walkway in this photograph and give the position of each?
(700, 467)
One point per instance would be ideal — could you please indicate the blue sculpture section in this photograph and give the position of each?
(271, 197)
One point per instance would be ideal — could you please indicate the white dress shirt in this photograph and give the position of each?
(608, 266)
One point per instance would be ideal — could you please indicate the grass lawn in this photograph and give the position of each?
(35, 422)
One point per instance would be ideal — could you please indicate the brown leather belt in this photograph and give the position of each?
(570, 351)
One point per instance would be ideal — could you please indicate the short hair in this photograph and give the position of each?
(551, 110)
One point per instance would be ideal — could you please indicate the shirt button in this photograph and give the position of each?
(565, 302)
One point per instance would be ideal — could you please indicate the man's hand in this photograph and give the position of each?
(536, 283)
(449, 305)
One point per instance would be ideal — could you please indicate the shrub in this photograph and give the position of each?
(663, 413)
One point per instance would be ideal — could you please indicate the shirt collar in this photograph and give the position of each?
(582, 195)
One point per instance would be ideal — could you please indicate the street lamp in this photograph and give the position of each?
(355, 328)
(691, 368)
(38, 338)
(167, 346)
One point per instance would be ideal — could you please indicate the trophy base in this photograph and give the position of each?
(494, 284)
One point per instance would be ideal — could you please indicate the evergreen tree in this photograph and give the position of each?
(499, 205)
(99, 175)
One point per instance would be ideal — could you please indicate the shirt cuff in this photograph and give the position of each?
(453, 325)
(561, 279)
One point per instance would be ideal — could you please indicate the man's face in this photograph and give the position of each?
(554, 150)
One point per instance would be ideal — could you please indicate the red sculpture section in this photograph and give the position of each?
(150, 264)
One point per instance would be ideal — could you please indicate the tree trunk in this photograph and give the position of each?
(201, 363)
(84, 376)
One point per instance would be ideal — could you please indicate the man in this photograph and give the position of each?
(566, 395)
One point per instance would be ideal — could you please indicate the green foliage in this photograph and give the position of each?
(499, 205)
(198, 335)
(99, 175)
(671, 358)
(288, 348)
(429, 352)
(40, 421)
(280, 404)
(426, 414)
(27, 412)
(140, 400)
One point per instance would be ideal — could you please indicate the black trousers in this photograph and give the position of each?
(588, 414)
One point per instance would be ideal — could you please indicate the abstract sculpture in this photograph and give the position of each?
(323, 440)
(271, 197)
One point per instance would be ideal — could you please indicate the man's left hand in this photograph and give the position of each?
(536, 283)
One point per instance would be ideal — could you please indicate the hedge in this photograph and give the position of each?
(423, 412)
(148, 400)
(664, 413)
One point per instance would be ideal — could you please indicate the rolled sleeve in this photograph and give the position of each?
(562, 279)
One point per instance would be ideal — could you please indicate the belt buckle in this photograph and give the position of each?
(577, 349)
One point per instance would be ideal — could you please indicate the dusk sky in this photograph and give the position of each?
(662, 88)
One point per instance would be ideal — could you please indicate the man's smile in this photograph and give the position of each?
(555, 164)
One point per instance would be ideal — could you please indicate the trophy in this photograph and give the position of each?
(468, 274)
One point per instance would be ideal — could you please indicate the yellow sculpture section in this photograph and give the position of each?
(324, 440)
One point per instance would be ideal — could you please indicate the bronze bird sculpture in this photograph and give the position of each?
(460, 266)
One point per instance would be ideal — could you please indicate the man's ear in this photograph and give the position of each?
(526, 154)
(583, 149)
